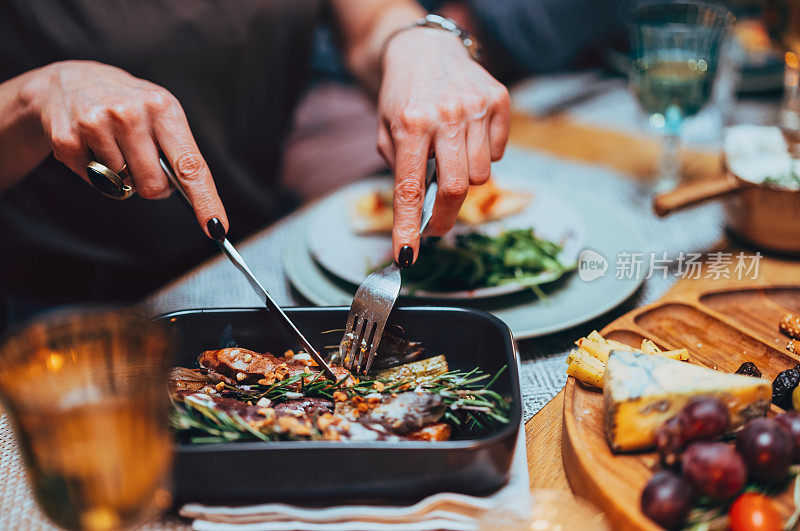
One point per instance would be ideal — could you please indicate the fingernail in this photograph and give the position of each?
(406, 256)
(216, 229)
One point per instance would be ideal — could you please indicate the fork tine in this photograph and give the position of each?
(368, 334)
(375, 341)
(357, 340)
(348, 332)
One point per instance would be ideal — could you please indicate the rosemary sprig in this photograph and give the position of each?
(194, 416)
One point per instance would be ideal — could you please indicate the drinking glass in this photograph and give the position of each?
(782, 19)
(674, 51)
(86, 390)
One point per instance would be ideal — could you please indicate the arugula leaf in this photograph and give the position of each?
(477, 260)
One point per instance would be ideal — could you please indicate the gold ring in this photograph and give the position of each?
(108, 182)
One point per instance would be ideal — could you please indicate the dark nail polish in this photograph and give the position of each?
(216, 229)
(406, 256)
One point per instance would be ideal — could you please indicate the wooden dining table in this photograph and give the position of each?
(565, 136)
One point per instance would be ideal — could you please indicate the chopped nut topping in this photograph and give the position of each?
(268, 379)
(324, 421)
(295, 426)
(289, 354)
(220, 386)
(248, 357)
(339, 396)
(240, 376)
(304, 358)
(378, 386)
(790, 347)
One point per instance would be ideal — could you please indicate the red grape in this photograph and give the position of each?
(766, 448)
(667, 499)
(790, 422)
(704, 417)
(714, 468)
(669, 440)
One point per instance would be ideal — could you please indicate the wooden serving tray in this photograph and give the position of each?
(722, 329)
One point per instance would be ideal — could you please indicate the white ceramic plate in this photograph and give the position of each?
(351, 256)
(571, 300)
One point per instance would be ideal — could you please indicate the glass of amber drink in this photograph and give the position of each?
(86, 390)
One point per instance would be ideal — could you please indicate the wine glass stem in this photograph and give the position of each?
(669, 166)
(789, 116)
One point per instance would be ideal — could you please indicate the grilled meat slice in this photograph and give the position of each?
(245, 366)
(246, 412)
(274, 424)
(278, 423)
(305, 406)
(400, 414)
(183, 379)
(249, 367)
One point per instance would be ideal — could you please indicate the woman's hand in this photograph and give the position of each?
(435, 99)
(94, 111)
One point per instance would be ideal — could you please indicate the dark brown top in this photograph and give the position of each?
(236, 66)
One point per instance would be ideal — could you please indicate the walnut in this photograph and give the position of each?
(790, 325)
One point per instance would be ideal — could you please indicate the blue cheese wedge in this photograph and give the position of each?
(642, 391)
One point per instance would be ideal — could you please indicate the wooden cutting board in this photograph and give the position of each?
(721, 329)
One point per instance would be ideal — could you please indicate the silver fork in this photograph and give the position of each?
(375, 298)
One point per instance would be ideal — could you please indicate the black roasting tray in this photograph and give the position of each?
(322, 470)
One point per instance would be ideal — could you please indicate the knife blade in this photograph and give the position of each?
(236, 259)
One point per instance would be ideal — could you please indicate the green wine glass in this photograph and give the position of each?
(675, 49)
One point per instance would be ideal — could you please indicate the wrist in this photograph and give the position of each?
(33, 86)
(421, 40)
(444, 25)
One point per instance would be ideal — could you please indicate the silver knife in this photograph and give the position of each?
(233, 255)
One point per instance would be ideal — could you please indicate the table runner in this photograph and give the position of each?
(217, 284)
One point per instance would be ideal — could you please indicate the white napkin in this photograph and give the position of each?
(446, 510)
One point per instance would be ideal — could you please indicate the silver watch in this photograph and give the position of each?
(447, 24)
